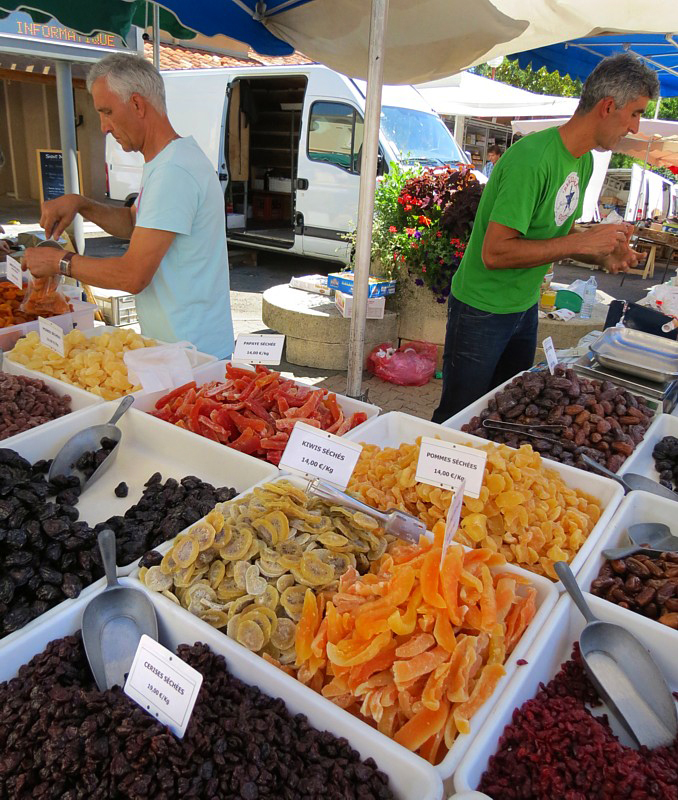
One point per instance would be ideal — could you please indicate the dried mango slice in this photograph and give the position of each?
(238, 546)
(283, 635)
(157, 580)
(185, 551)
(254, 583)
(250, 635)
(204, 534)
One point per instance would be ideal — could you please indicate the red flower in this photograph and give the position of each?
(438, 235)
(415, 246)
(393, 229)
(423, 269)
(425, 221)
(408, 208)
(409, 231)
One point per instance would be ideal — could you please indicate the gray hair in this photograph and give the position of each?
(127, 74)
(623, 78)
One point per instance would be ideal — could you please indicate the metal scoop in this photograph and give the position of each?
(64, 463)
(650, 538)
(632, 481)
(114, 622)
(398, 523)
(624, 674)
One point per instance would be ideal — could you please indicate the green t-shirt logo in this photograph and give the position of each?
(567, 199)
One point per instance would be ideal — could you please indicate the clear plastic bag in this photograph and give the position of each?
(412, 364)
(44, 299)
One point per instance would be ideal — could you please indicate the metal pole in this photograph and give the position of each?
(68, 143)
(368, 173)
(156, 36)
(656, 108)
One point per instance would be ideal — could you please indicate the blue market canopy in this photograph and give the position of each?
(578, 57)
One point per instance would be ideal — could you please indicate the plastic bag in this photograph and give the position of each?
(412, 364)
(43, 298)
(162, 367)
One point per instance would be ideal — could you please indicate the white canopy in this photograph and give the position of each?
(472, 95)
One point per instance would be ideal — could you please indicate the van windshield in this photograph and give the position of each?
(419, 137)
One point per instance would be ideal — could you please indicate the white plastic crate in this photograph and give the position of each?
(394, 428)
(410, 777)
(641, 461)
(553, 647)
(546, 598)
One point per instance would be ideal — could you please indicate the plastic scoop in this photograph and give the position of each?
(114, 622)
(650, 538)
(87, 440)
(631, 481)
(397, 523)
(624, 674)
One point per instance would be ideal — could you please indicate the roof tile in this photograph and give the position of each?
(180, 57)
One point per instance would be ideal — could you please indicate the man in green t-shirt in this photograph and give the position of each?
(524, 223)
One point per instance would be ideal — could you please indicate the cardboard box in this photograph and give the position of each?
(344, 304)
(343, 281)
(311, 283)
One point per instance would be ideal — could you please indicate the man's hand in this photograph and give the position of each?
(601, 241)
(58, 214)
(43, 261)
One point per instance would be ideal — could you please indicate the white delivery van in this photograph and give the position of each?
(287, 145)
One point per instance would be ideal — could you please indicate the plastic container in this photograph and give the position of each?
(641, 461)
(81, 317)
(547, 301)
(552, 647)
(546, 598)
(394, 428)
(570, 300)
(410, 776)
(589, 298)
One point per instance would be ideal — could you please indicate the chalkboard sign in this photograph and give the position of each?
(51, 173)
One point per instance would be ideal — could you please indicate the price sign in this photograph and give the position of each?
(164, 685)
(447, 465)
(259, 348)
(550, 352)
(315, 454)
(14, 272)
(51, 335)
(453, 517)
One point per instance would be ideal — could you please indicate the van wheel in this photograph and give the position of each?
(129, 202)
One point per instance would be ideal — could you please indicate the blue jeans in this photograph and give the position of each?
(482, 350)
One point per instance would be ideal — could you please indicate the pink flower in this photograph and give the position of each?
(408, 207)
(423, 269)
(409, 231)
(392, 229)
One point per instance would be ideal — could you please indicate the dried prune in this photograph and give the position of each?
(121, 490)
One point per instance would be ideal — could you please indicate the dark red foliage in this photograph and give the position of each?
(555, 749)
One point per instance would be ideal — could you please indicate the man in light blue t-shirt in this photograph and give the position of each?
(177, 261)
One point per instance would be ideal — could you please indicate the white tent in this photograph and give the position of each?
(472, 95)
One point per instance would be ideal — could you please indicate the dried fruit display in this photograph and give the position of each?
(95, 364)
(665, 455)
(600, 420)
(525, 511)
(11, 298)
(60, 737)
(253, 411)
(555, 747)
(246, 567)
(415, 647)
(26, 403)
(645, 584)
(43, 298)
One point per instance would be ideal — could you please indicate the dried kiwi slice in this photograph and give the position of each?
(185, 551)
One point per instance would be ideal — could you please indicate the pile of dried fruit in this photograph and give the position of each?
(645, 584)
(416, 647)
(525, 511)
(60, 737)
(598, 419)
(11, 298)
(665, 455)
(253, 411)
(246, 567)
(556, 748)
(95, 364)
(43, 298)
(26, 403)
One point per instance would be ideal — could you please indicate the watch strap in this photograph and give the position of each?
(65, 264)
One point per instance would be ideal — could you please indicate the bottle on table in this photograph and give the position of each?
(589, 298)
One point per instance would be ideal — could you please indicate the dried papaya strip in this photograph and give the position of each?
(519, 618)
(383, 660)
(429, 750)
(422, 664)
(435, 686)
(415, 645)
(505, 595)
(443, 631)
(449, 581)
(306, 628)
(422, 726)
(463, 659)
(403, 624)
(370, 651)
(484, 686)
(430, 575)
(488, 600)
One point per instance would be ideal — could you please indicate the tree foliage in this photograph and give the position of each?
(540, 81)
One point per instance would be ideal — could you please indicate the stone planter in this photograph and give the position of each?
(420, 317)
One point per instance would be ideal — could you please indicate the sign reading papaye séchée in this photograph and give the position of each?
(447, 465)
(259, 348)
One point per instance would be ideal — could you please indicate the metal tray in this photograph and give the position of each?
(638, 353)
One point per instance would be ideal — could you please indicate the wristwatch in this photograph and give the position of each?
(65, 264)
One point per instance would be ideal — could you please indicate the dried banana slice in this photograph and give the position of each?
(315, 571)
(284, 582)
(185, 550)
(240, 604)
(222, 537)
(254, 583)
(283, 636)
(216, 519)
(232, 625)
(196, 593)
(266, 531)
(239, 572)
(216, 573)
(142, 573)
(204, 534)
(259, 616)
(171, 597)
(227, 590)
(292, 600)
(168, 564)
(333, 540)
(157, 580)
(215, 617)
(269, 598)
(238, 546)
(250, 635)
(184, 577)
(365, 522)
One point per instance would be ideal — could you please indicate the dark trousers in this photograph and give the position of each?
(482, 350)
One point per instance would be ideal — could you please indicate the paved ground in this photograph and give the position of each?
(249, 282)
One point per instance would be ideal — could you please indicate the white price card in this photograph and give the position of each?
(14, 272)
(51, 335)
(550, 352)
(259, 348)
(453, 517)
(446, 465)
(164, 685)
(316, 454)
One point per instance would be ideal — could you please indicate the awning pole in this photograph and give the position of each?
(68, 143)
(368, 174)
(156, 36)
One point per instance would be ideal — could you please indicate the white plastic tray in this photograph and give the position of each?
(203, 360)
(552, 647)
(394, 428)
(641, 461)
(473, 410)
(411, 778)
(547, 596)
(635, 507)
(217, 372)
